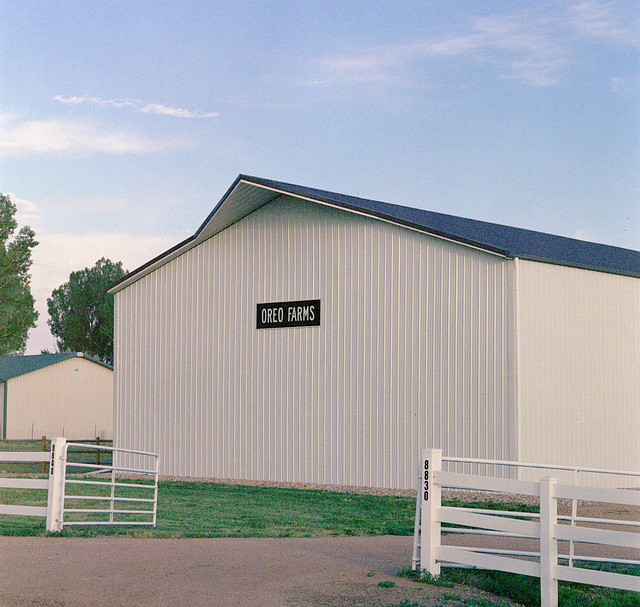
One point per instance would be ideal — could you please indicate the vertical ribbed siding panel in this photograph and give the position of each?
(580, 367)
(413, 351)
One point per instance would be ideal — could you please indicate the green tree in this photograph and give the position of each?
(81, 310)
(17, 311)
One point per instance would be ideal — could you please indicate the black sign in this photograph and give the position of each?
(288, 314)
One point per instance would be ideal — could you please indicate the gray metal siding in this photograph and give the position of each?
(414, 350)
(580, 367)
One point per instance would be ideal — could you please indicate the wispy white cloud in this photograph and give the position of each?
(19, 137)
(533, 46)
(625, 86)
(137, 106)
(605, 22)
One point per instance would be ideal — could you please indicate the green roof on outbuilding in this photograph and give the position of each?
(12, 366)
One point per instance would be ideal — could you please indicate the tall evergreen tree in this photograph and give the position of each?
(17, 305)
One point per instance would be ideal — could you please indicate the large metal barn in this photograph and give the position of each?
(301, 335)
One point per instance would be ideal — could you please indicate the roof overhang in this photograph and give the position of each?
(241, 199)
(248, 194)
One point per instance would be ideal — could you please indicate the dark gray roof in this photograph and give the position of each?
(509, 241)
(12, 366)
(247, 194)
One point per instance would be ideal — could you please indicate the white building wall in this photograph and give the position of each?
(579, 367)
(71, 398)
(414, 350)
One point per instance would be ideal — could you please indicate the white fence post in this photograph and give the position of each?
(431, 502)
(56, 484)
(548, 542)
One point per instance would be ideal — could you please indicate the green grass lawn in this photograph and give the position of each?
(244, 511)
(187, 509)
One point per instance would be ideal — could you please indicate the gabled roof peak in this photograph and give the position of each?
(248, 193)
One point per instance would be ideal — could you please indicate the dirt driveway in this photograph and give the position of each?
(323, 571)
(117, 571)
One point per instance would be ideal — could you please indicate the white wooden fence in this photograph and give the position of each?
(25, 483)
(62, 510)
(430, 553)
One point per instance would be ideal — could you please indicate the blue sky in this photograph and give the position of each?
(123, 123)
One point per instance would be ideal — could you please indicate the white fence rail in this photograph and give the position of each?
(24, 483)
(545, 528)
(127, 501)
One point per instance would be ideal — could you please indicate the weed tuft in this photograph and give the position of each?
(475, 602)
(426, 578)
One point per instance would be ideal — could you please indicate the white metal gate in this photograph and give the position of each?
(97, 494)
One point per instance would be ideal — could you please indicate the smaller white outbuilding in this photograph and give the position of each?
(67, 394)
